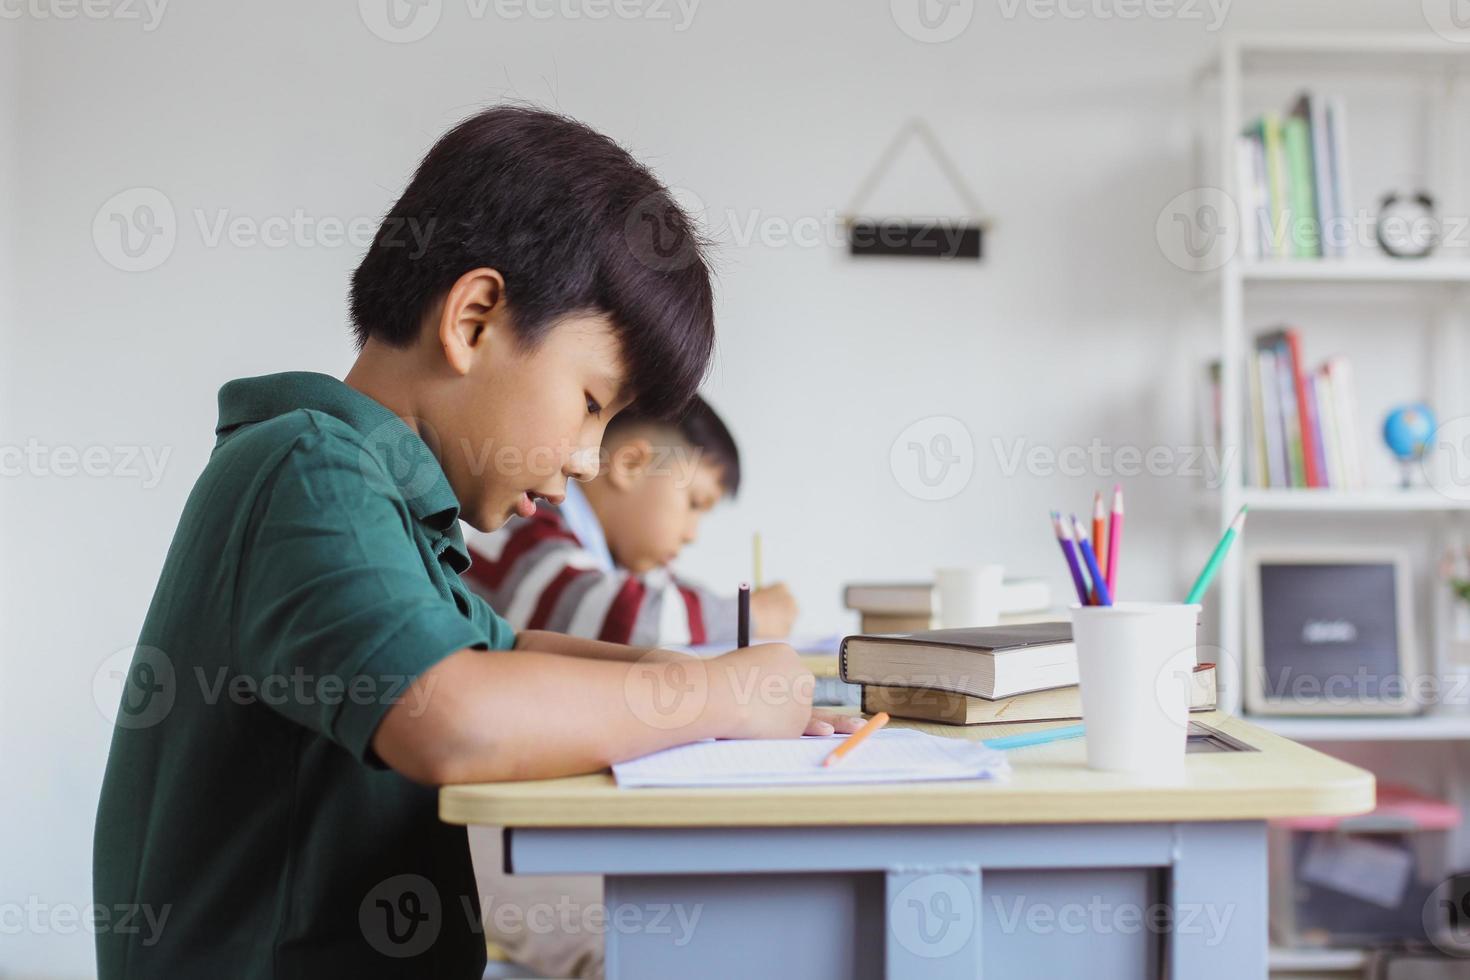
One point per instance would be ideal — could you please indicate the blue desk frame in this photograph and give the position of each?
(1185, 900)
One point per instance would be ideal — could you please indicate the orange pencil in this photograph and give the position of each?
(1100, 530)
(851, 742)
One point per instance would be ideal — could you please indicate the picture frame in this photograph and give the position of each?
(1330, 632)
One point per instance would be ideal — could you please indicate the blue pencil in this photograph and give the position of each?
(1099, 582)
(1034, 738)
(1069, 551)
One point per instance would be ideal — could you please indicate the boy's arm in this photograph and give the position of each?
(477, 717)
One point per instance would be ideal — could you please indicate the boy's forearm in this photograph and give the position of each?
(482, 717)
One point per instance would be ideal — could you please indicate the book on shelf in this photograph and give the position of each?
(1301, 428)
(986, 662)
(1056, 704)
(1292, 182)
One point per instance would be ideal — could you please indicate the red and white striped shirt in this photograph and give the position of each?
(536, 574)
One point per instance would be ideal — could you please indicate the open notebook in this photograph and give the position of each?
(894, 755)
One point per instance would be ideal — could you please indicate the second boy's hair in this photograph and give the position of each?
(699, 426)
(571, 221)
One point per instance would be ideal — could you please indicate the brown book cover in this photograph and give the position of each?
(1058, 704)
(986, 662)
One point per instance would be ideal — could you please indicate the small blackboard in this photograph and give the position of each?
(915, 239)
(1329, 635)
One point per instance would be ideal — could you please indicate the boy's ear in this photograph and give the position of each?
(628, 463)
(473, 309)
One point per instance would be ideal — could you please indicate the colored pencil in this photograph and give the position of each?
(1212, 567)
(755, 559)
(1099, 584)
(1034, 738)
(742, 630)
(856, 738)
(1099, 533)
(1069, 551)
(1115, 539)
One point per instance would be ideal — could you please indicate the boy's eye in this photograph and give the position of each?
(593, 407)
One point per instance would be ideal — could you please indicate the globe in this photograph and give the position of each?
(1407, 431)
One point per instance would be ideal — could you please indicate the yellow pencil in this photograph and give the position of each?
(851, 742)
(755, 548)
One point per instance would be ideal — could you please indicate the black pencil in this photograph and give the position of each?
(742, 634)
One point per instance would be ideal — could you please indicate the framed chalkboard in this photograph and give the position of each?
(1330, 633)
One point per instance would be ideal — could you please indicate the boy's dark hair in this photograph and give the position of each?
(699, 426)
(573, 223)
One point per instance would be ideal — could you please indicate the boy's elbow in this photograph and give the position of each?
(438, 748)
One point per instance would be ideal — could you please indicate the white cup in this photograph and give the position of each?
(968, 596)
(1134, 662)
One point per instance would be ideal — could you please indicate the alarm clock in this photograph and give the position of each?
(1407, 227)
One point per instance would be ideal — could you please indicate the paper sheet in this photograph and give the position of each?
(894, 755)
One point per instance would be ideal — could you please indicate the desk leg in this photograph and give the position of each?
(933, 919)
(1218, 897)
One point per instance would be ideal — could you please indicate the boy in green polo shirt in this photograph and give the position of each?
(311, 666)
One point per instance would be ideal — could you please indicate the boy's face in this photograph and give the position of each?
(651, 499)
(518, 424)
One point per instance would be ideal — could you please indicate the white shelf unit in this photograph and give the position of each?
(1442, 280)
(1243, 288)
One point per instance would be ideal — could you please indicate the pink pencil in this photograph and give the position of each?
(1115, 538)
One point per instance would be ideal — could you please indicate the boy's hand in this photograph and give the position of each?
(833, 722)
(768, 688)
(773, 609)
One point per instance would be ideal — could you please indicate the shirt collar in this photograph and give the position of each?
(405, 456)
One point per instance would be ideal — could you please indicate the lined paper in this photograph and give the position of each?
(893, 755)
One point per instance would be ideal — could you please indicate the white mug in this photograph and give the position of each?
(968, 596)
(1134, 663)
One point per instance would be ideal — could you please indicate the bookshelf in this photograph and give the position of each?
(1442, 282)
(1247, 295)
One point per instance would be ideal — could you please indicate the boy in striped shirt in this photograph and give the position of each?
(597, 564)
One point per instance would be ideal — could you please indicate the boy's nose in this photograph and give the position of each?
(582, 465)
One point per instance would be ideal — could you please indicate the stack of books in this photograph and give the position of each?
(904, 607)
(992, 675)
(1291, 176)
(1302, 424)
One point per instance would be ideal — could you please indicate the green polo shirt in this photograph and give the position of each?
(246, 827)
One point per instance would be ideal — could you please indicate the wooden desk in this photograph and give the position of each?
(1060, 871)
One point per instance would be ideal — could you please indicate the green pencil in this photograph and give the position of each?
(1212, 566)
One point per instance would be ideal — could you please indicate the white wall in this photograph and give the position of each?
(1073, 134)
